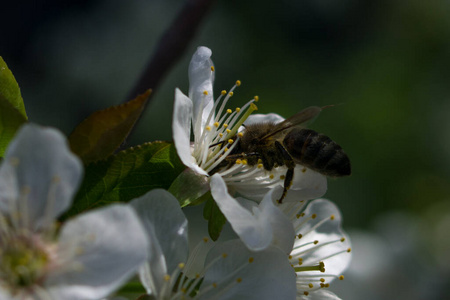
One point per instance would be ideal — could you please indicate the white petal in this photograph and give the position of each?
(283, 231)
(160, 211)
(201, 79)
(102, 249)
(268, 276)
(254, 230)
(263, 118)
(320, 295)
(329, 249)
(181, 128)
(38, 176)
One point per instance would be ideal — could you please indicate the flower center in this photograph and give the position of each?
(22, 261)
(217, 139)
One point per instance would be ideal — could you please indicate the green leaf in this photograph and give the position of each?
(215, 218)
(127, 175)
(103, 132)
(12, 109)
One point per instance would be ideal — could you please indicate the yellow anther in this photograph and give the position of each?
(253, 106)
(305, 293)
(239, 280)
(214, 284)
(238, 109)
(228, 130)
(313, 216)
(290, 256)
(212, 68)
(230, 94)
(221, 134)
(205, 92)
(224, 255)
(322, 266)
(260, 166)
(181, 265)
(225, 125)
(230, 141)
(216, 124)
(282, 177)
(250, 260)
(205, 239)
(229, 111)
(303, 170)
(332, 217)
(310, 285)
(167, 277)
(225, 149)
(326, 285)
(302, 214)
(223, 92)
(322, 279)
(316, 242)
(341, 277)
(298, 216)
(208, 128)
(256, 98)
(271, 176)
(244, 162)
(300, 260)
(238, 82)
(238, 161)
(299, 235)
(349, 250)
(240, 134)
(343, 239)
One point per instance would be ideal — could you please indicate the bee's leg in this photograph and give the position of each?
(290, 164)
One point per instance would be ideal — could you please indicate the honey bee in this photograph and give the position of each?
(288, 143)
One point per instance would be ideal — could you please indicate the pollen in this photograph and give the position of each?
(310, 285)
(238, 161)
(238, 82)
(300, 235)
(205, 239)
(230, 94)
(212, 68)
(238, 109)
(256, 98)
(260, 166)
(322, 280)
(167, 277)
(221, 134)
(316, 242)
(208, 128)
(225, 149)
(341, 277)
(343, 239)
(282, 177)
(332, 217)
(181, 265)
(349, 250)
(230, 141)
(228, 130)
(216, 124)
(271, 176)
(214, 285)
(303, 170)
(244, 162)
(225, 125)
(250, 260)
(253, 106)
(205, 93)
(224, 255)
(239, 280)
(290, 256)
(223, 92)
(229, 111)
(305, 293)
(240, 134)
(298, 216)
(313, 216)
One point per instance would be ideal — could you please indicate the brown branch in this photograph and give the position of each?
(171, 46)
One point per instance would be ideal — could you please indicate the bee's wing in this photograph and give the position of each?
(298, 119)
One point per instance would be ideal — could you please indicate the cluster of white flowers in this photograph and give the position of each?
(291, 250)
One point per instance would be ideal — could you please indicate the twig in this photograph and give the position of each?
(172, 45)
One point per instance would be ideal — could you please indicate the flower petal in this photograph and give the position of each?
(38, 176)
(243, 274)
(254, 230)
(332, 243)
(181, 127)
(319, 295)
(160, 211)
(201, 78)
(100, 250)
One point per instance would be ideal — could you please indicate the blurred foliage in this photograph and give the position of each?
(384, 64)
